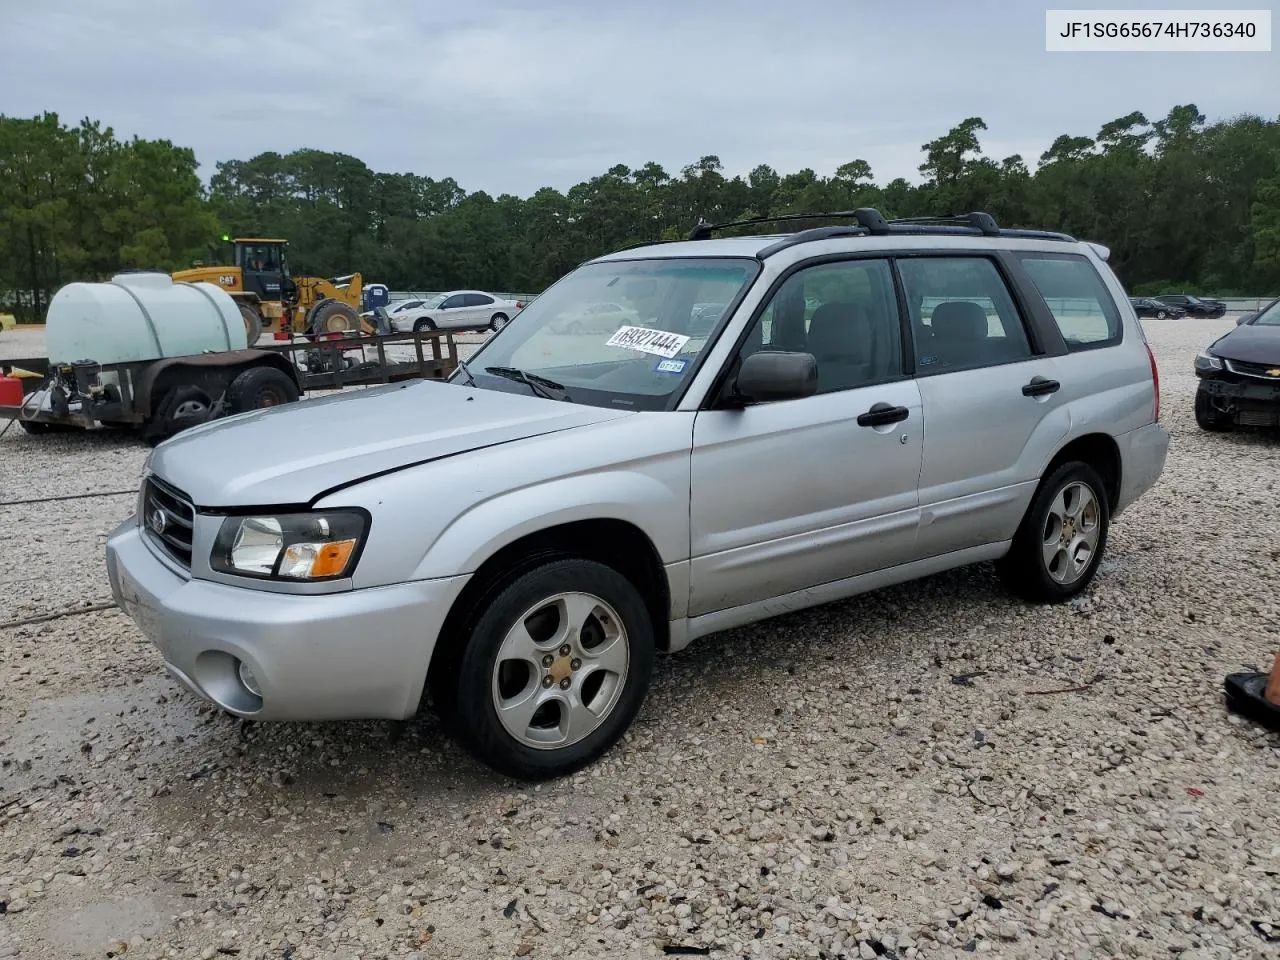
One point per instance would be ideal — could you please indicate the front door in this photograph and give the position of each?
(796, 493)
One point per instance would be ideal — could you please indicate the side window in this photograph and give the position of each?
(845, 314)
(457, 300)
(962, 314)
(1076, 296)
(478, 300)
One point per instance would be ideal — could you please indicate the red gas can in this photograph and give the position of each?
(10, 391)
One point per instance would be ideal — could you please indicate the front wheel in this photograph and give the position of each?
(554, 670)
(425, 324)
(497, 322)
(1161, 315)
(1056, 551)
(1210, 417)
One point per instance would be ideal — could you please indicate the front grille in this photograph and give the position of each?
(1259, 370)
(168, 518)
(1258, 417)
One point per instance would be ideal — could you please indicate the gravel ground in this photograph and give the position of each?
(933, 770)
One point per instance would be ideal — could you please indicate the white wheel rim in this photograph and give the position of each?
(1072, 528)
(560, 671)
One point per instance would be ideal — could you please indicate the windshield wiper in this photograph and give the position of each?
(462, 364)
(542, 386)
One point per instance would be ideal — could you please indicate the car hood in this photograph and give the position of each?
(1251, 344)
(294, 453)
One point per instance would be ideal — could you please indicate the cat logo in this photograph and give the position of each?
(227, 280)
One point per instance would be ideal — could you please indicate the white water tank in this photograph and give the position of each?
(140, 316)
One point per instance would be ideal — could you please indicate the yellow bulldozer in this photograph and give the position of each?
(273, 301)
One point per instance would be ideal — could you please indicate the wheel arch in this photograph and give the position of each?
(1101, 452)
(616, 543)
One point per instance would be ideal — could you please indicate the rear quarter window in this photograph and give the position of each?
(1075, 294)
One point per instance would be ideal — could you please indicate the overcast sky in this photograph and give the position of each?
(508, 96)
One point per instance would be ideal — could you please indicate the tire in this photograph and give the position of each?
(1215, 421)
(40, 427)
(260, 387)
(426, 323)
(252, 323)
(498, 321)
(1161, 315)
(179, 409)
(332, 316)
(528, 746)
(1032, 569)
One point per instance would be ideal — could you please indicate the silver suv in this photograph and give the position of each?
(877, 401)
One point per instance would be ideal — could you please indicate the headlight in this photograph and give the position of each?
(1207, 361)
(298, 546)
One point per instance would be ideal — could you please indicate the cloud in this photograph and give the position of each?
(511, 95)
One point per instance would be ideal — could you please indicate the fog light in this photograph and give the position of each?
(249, 680)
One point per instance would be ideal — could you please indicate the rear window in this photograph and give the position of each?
(1076, 296)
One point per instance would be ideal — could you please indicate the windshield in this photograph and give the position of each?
(622, 333)
(1270, 317)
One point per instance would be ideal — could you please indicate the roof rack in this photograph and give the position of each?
(868, 220)
(703, 230)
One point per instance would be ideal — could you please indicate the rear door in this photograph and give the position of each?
(480, 307)
(1106, 381)
(452, 313)
(991, 396)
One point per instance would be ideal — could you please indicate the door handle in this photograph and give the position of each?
(881, 414)
(1040, 387)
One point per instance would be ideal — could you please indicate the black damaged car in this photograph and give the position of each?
(1146, 309)
(1240, 374)
(1195, 306)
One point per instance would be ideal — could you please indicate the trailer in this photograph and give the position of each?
(160, 392)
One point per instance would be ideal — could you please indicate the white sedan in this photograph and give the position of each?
(456, 310)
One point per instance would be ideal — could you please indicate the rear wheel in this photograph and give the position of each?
(424, 324)
(554, 670)
(497, 322)
(252, 323)
(260, 387)
(1056, 551)
(1210, 417)
(333, 316)
(179, 409)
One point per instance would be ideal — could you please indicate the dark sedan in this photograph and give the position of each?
(1146, 308)
(1240, 375)
(1195, 306)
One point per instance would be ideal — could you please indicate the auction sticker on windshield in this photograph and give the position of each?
(660, 343)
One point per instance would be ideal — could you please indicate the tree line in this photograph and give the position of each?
(1184, 205)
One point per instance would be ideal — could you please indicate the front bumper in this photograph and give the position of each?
(360, 654)
(1249, 402)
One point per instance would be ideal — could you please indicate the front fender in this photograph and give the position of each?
(654, 507)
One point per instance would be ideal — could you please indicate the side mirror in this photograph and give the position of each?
(1244, 318)
(768, 376)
